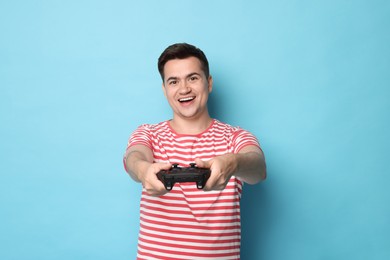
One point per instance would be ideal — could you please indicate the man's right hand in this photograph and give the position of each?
(141, 168)
(150, 182)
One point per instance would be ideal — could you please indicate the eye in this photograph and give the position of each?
(193, 78)
(172, 82)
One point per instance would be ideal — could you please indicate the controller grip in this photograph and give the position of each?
(178, 174)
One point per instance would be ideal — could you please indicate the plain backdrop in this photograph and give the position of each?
(311, 79)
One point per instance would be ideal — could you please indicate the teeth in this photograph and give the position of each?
(186, 99)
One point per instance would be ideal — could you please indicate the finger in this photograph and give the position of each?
(210, 183)
(156, 188)
(164, 166)
(202, 164)
(157, 193)
(159, 167)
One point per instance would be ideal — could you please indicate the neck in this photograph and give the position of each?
(190, 126)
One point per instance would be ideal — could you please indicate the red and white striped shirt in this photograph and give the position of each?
(187, 223)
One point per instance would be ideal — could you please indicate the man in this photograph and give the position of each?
(187, 223)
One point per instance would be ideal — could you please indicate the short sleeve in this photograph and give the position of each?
(141, 136)
(242, 138)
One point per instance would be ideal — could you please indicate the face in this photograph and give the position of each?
(186, 88)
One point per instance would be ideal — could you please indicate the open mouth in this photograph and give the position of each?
(186, 99)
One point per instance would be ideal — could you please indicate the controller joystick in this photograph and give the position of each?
(184, 174)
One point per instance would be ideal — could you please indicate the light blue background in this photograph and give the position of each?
(310, 78)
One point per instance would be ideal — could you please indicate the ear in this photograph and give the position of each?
(210, 80)
(164, 90)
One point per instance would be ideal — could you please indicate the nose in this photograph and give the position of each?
(184, 88)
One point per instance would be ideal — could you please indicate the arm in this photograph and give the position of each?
(248, 165)
(141, 168)
(251, 165)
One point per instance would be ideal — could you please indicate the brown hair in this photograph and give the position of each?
(182, 51)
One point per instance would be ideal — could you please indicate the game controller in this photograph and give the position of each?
(184, 174)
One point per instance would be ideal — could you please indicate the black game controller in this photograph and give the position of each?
(182, 174)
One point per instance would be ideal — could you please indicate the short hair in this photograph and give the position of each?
(182, 51)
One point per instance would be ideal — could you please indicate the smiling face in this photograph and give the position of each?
(187, 88)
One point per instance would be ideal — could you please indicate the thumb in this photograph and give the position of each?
(164, 166)
(202, 164)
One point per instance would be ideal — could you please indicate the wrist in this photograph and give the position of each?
(141, 168)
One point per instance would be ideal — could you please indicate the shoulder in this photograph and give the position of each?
(154, 127)
(234, 133)
(153, 131)
(226, 128)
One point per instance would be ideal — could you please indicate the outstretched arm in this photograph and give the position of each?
(248, 165)
(140, 167)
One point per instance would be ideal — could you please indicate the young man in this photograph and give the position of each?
(187, 223)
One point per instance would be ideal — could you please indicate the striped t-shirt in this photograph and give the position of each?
(187, 223)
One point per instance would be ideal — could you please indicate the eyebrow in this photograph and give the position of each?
(193, 74)
(171, 78)
(187, 76)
